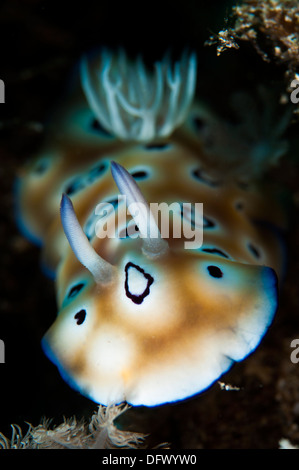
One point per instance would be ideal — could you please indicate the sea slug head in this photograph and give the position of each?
(161, 325)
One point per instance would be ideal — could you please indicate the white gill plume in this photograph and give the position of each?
(133, 103)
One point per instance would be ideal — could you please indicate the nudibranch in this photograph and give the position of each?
(141, 318)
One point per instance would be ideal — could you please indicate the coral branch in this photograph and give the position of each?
(100, 433)
(276, 21)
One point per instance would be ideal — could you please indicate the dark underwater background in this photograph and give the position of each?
(40, 42)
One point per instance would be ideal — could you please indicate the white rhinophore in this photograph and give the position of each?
(153, 243)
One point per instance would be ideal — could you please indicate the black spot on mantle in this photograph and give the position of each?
(138, 299)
